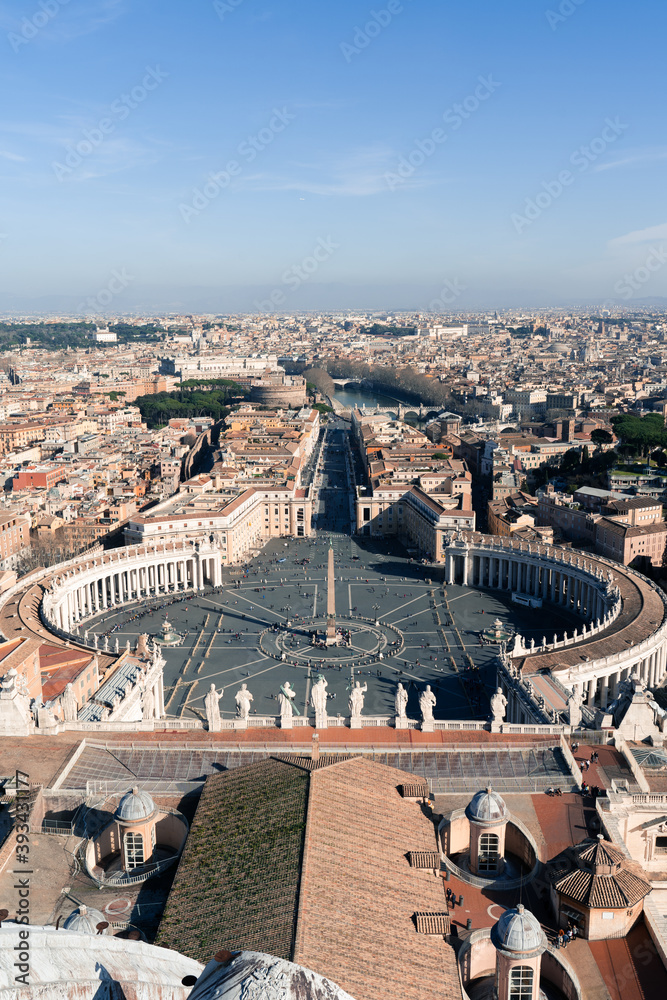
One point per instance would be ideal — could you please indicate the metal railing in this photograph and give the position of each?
(58, 828)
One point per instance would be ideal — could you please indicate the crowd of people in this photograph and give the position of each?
(147, 611)
(564, 937)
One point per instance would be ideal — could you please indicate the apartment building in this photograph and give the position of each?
(14, 538)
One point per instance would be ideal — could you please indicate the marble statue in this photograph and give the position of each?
(212, 708)
(356, 700)
(69, 704)
(147, 703)
(401, 701)
(574, 703)
(519, 647)
(318, 699)
(498, 705)
(16, 719)
(243, 699)
(427, 704)
(285, 698)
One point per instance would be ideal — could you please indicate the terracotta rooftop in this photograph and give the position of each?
(358, 833)
(597, 874)
(293, 859)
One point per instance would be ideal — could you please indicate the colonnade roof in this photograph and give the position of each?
(21, 615)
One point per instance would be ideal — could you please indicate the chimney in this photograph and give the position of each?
(315, 752)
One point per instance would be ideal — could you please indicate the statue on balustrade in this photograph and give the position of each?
(212, 708)
(498, 706)
(401, 701)
(318, 699)
(243, 699)
(285, 699)
(356, 700)
(427, 704)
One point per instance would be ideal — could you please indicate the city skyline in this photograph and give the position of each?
(263, 158)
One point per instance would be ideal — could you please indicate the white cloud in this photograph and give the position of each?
(74, 20)
(641, 236)
(633, 159)
(359, 175)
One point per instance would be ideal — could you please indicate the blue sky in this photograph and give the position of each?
(204, 149)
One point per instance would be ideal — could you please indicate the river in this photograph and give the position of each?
(358, 397)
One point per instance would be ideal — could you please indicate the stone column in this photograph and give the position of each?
(592, 685)
(604, 691)
(466, 559)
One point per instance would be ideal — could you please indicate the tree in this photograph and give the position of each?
(640, 434)
(601, 436)
(571, 460)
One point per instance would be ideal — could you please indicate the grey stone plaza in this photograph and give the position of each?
(260, 629)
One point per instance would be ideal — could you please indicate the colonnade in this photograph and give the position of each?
(603, 688)
(545, 578)
(578, 586)
(128, 575)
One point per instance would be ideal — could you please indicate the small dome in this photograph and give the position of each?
(134, 805)
(85, 921)
(519, 931)
(487, 807)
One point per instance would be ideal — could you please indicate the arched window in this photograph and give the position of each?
(134, 850)
(488, 852)
(521, 982)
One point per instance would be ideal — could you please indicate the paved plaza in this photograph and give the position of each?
(226, 634)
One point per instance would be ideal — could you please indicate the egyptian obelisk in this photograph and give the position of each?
(331, 598)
